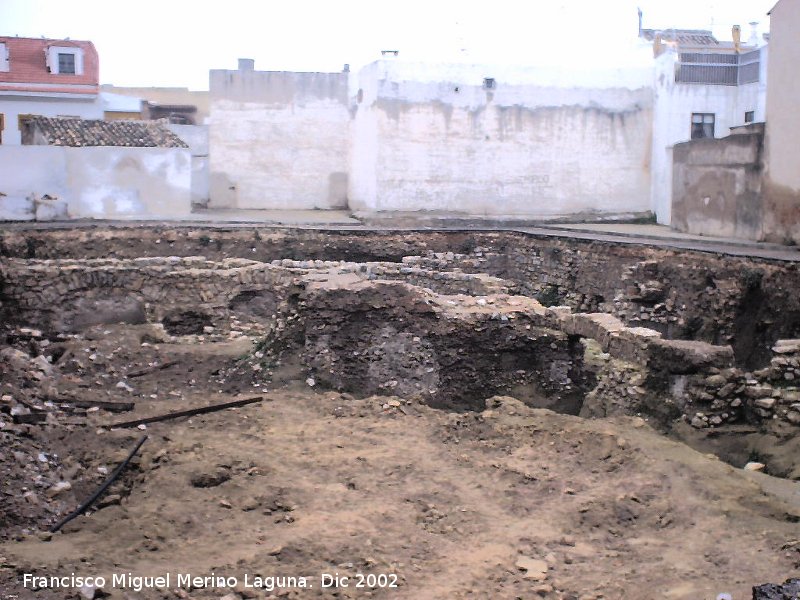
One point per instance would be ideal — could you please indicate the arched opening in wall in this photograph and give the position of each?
(188, 322)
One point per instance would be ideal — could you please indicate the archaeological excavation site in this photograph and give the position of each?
(264, 412)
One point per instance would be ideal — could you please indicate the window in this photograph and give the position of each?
(66, 63)
(4, 62)
(66, 60)
(702, 125)
(488, 83)
(749, 116)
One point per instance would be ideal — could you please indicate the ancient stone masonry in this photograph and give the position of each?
(584, 327)
(63, 294)
(440, 281)
(71, 294)
(721, 300)
(683, 294)
(718, 395)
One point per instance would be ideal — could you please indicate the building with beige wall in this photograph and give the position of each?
(167, 97)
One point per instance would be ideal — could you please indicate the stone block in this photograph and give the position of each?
(786, 346)
(685, 356)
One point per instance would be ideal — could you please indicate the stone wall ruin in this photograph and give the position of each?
(450, 317)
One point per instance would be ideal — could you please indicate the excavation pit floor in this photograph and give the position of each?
(398, 444)
(509, 502)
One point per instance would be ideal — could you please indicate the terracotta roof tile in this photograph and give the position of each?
(92, 132)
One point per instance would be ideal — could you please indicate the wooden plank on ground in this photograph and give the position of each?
(104, 404)
(148, 370)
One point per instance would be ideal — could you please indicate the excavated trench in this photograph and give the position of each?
(341, 342)
(747, 302)
(449, 318)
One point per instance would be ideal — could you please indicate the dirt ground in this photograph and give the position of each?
(511, 502)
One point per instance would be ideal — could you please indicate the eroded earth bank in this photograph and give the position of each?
(478, 415)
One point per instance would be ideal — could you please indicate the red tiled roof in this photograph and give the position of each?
(27, 65)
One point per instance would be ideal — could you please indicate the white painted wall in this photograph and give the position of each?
(101, 182)
(674, 105)
(11, 106)
(430, 137)
(4, 64)
(783, 124)
(278, 140)
(196, 137)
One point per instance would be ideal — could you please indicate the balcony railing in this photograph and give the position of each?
(718, 69)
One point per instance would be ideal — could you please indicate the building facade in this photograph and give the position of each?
(747, 185)
(95, 169)
(492, 141)
(482, 140)
(53, 78)
(278, 140)
(702, 88)
(452, 138)
(781, 187)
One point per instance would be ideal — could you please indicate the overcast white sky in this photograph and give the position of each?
(176, 42)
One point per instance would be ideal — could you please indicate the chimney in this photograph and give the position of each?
(247, 64)
(753, 41)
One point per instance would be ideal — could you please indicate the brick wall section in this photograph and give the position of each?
(27, 65)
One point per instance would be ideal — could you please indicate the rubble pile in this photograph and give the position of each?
(37, 482)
